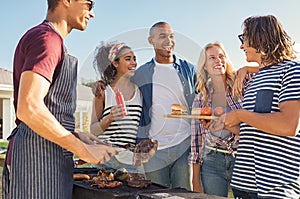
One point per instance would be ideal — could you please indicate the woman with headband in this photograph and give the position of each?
(114, 125)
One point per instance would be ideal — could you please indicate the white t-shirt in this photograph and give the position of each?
(167, 90)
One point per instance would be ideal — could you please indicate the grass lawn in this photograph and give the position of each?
(3, 143)
(230, 195)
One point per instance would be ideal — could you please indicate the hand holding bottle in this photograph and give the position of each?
(117, 112)
(121, 107)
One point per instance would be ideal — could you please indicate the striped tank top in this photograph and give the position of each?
(122, 132)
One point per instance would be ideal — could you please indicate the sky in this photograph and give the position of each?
(195, 23)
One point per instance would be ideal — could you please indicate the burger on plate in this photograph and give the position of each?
(178, 109)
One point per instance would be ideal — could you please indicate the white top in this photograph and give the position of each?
(167, 90)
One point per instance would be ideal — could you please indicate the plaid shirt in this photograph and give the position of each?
(201, 136)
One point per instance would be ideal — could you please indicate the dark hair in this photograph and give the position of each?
(102, 65)
(52, 4)
(266, 35)
(155, 25)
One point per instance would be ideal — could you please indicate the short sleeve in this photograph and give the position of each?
(290, 83)
(43, 52)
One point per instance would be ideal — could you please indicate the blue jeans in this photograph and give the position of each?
(170, 166)
(216, 173)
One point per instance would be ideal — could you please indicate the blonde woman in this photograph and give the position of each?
(212, 153)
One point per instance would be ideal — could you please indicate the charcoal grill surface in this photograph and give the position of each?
(85, 190)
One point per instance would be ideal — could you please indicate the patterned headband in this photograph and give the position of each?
(114, 51)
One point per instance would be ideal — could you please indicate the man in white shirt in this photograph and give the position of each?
(163, 81)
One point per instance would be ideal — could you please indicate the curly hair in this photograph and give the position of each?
(266, 35)
(204, 81)
(102, 65)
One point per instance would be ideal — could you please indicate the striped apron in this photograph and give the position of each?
(39, 168)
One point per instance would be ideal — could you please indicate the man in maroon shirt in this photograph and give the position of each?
(39, 163)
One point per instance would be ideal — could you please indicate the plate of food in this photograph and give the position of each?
(201, 117)
(180, 111)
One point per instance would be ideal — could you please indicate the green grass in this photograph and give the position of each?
(3, 143)
(230, 194)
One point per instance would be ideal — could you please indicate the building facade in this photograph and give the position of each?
(7, 112)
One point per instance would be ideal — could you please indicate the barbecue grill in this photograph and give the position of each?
(84, 190)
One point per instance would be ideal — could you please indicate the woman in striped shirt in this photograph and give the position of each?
(116, 63)
(268, 161)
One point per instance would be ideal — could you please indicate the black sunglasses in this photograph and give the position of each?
(91, 4)
(241, 38)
